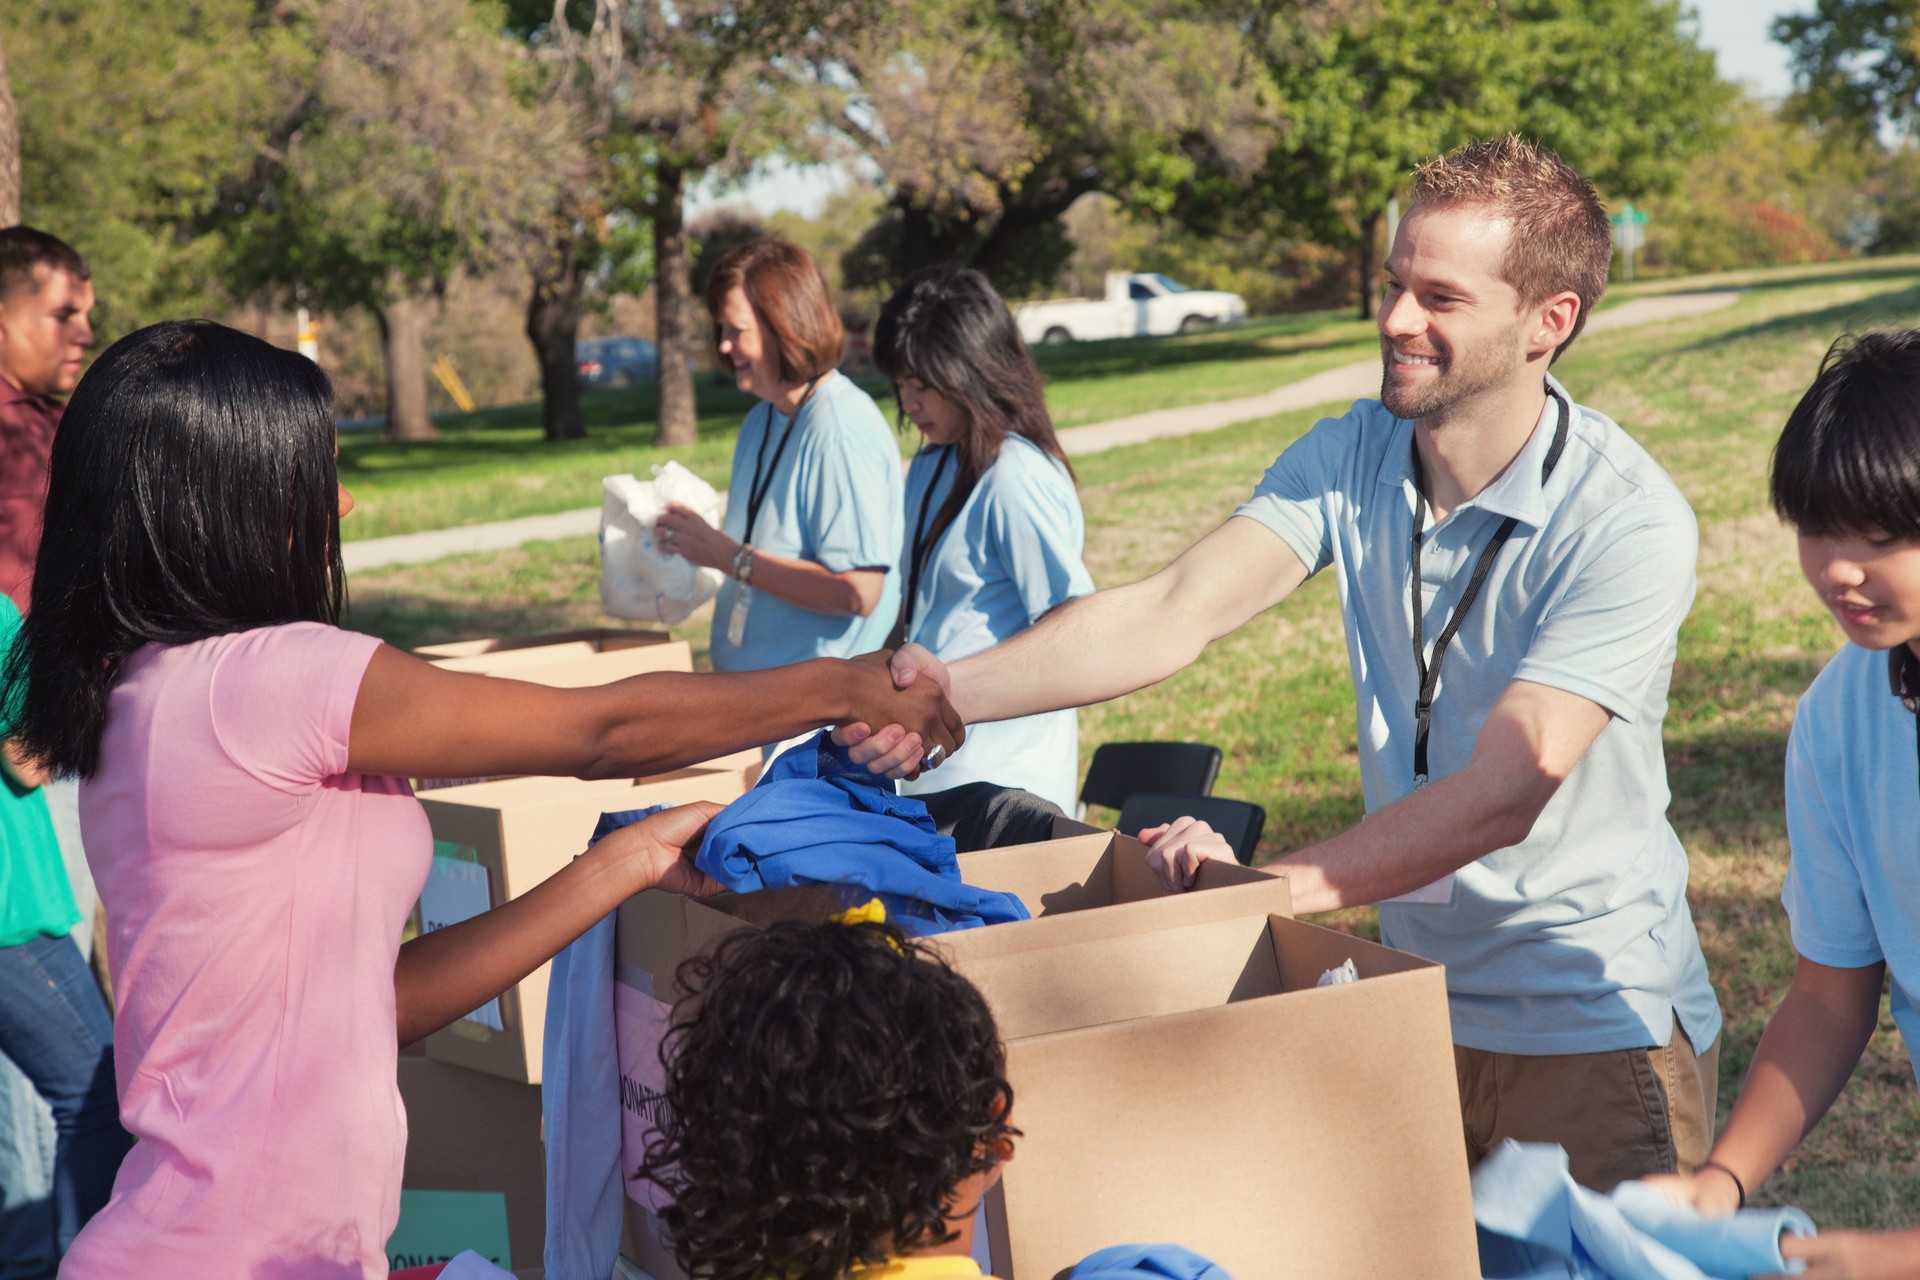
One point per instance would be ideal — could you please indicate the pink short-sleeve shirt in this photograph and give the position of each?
(256, 891)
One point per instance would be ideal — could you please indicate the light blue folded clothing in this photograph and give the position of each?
(1536, 1221)
(1138, 1261)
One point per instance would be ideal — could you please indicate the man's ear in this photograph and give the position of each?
(1554, 319)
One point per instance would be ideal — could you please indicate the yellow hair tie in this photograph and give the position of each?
(873, 911)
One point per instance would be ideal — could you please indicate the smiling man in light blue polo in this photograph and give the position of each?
(1513, 571)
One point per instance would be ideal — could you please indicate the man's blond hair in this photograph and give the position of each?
(1560, 238)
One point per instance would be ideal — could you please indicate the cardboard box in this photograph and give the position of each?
(496, 840)
(577, 664)
(1195, 1085)
(1079, 889)
(605, 637)
(476, 1167)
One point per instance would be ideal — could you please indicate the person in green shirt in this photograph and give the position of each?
(53, 1024)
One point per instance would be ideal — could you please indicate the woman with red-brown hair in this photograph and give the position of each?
(811, 542)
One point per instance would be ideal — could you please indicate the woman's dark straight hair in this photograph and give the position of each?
(947, 328)
(1848, 460)
(192, 493)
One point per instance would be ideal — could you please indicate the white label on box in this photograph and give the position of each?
(458, 890)
(1437, 894)
(640, 1024)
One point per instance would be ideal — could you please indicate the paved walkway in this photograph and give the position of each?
(1346, 383)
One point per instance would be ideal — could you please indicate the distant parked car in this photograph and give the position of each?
(614, 362)
(1137, 305)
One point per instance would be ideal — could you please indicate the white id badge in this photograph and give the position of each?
(737, 617)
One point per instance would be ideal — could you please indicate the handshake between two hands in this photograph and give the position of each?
(907, 694)
(922, 728)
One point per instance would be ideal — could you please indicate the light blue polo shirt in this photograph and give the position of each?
(1011, 554)
(1853, 821)
(834, 499)
(1578, 939)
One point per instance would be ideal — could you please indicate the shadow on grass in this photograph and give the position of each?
(1091, 361)
(496, 437)
(1865, 313)
(1885, 271)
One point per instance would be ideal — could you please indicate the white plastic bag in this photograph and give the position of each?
(638, 579)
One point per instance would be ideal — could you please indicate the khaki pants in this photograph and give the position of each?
(1620, 1114)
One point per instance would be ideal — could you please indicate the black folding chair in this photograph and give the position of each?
(1238, 820)
(1119, 769)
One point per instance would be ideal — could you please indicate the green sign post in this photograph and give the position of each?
(1629, 232)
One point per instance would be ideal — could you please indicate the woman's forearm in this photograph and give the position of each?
(816, 588)
(412, 719)
(444, 975)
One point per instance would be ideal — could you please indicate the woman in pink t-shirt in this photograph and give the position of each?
(244, 807)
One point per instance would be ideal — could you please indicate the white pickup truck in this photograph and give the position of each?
(1137, 305)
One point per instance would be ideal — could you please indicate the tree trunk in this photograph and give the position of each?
(673, 301)
(403, 335)
(1018, 216)
(1364, 258)
(9, 149)
(553, 325)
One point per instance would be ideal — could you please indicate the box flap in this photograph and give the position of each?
(1116, 979)
(602, 638)
(1311, 1131)
(1049, 878)
(578, 664)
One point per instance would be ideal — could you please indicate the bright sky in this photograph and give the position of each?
(1736, 30)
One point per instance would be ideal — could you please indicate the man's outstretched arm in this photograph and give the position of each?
(1531, 741)
(1112, 642)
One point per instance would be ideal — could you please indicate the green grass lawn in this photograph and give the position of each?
(1707, 396)
(493, 465)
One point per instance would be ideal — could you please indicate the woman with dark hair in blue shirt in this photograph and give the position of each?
(994, 530)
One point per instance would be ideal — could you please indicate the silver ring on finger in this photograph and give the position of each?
(934, 757)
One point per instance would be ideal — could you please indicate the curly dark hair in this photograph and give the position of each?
(828, 1088)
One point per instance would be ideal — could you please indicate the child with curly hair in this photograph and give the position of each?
(836, 1105)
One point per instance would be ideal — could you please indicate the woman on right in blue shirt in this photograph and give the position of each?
(994, 531)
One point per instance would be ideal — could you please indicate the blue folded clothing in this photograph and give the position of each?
(1134, 1261)
(816, 818)
(1536, 1221)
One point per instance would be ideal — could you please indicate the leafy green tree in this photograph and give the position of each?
(1774, 192)
(132, 115)
(1856, 63)
(988, 119)
(673, 89)
(1368, 98)
(406, 161)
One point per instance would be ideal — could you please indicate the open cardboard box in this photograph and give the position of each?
(1195, 1085)
(476, 1168)
(1079, 889)
(505, 837)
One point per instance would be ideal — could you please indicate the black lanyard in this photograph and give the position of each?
(1430, 676)
(757, 488)
(1902, 666)
(922, 544)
